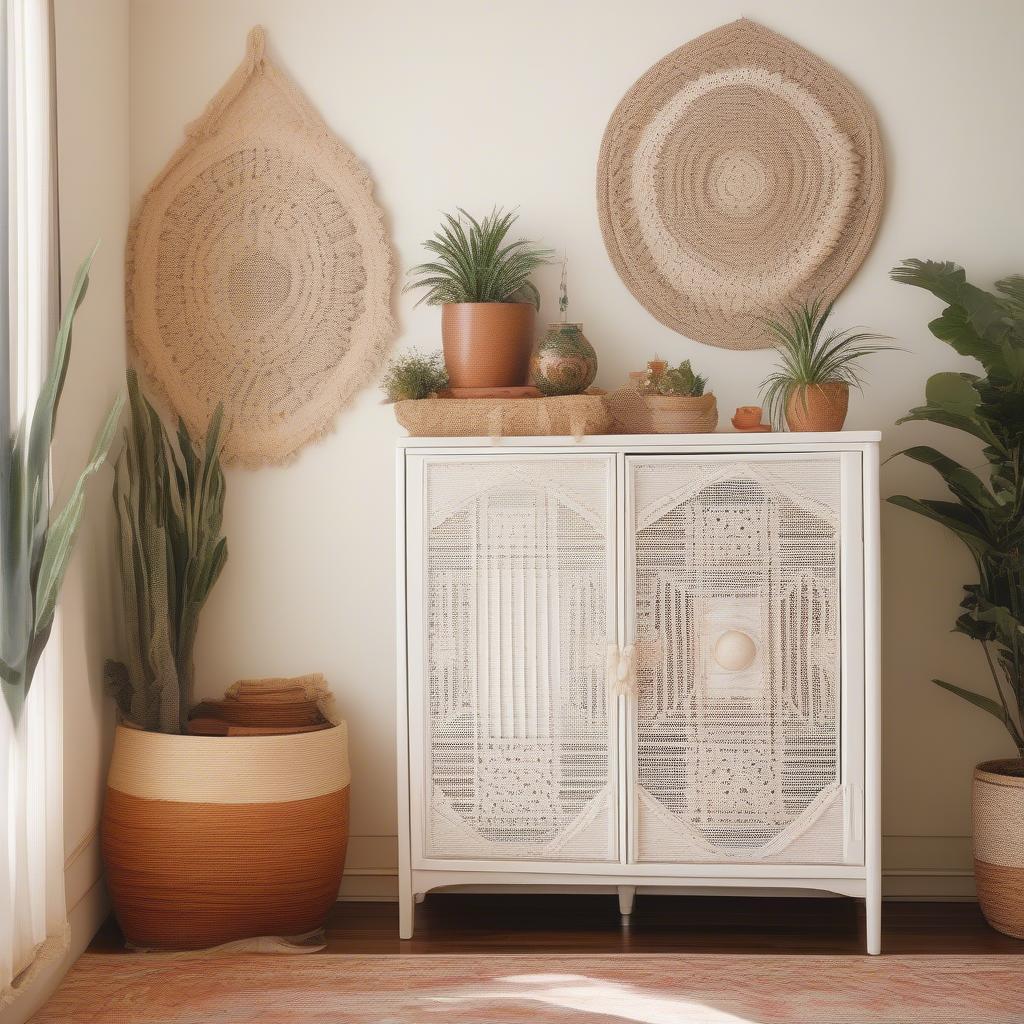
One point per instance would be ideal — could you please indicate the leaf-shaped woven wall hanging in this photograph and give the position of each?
(259, 273)
(739, 175)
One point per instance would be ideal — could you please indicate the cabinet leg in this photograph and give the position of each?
(873, 921)
(627, 894)
(406, 914)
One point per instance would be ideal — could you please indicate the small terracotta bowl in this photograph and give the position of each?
(747, 416)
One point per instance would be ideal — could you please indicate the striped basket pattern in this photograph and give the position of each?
(998, 805)
(211, 839)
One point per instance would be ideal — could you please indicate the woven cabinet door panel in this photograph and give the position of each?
(518, 610)
(737, 625)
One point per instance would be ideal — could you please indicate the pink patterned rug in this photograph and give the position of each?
(511, 989)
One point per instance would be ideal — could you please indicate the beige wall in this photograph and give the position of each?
(460, 102)
(92, 116)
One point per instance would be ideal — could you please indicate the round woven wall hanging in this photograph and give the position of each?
(739, 175)
(259, 273)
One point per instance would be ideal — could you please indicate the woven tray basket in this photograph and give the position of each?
(568, 415)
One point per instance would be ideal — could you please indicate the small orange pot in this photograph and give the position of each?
(487, 344)
(818, 408)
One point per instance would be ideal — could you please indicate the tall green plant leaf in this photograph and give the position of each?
(986, 516)
(169, 498)
(35, 550)
(64, 528)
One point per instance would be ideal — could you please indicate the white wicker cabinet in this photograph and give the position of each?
(640, 663)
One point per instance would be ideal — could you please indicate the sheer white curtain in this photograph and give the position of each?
(33, 921)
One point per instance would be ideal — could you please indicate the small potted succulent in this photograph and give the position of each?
(413, 375)
(678, 400)
(488, 303)
(810, 390)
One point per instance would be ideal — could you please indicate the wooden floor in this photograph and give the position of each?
(462, 923)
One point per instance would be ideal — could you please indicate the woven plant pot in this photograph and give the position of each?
(211, 839)
(487, 344)
(998, 810)
(675, 414)
(818, 408)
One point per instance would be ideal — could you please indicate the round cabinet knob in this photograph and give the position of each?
(735, 651)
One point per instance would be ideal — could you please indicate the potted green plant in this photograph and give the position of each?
(677, 399)
(488, 303)
(412, 376)
(36, 545)
(810, 390)
(206, 839)
(986, 512)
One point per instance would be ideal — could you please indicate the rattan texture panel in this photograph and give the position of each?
(738, 758)
(517, 622)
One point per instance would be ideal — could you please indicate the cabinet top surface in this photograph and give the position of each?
(726, 440)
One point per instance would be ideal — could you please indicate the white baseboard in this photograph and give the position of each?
(914, 868)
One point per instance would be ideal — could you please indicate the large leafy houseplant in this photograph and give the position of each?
(986, 511)
(36, 544)
(169, 505)
(817, 366)
(482, 281)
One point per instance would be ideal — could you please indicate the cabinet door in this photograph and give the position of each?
(511, 609)
(743, 604)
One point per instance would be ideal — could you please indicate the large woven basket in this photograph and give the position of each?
(998, 801)
(211, 839)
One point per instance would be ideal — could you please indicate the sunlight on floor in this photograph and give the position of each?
(597, 996)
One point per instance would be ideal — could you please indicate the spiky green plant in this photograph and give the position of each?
(169, 504)
(810, 356)
(36, 545)
(987, 515)
(414, 375)
(680, 380)
(475, 264)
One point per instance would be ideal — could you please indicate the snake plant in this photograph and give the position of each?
(36, 544)
(475, 264)
(169, 506)
(987, 510)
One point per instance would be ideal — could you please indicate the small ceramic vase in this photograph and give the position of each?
(564, 363)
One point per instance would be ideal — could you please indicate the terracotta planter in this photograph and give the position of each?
(818, 408)
(674, 414)
(211, 839)
(487, 344)
(998, 810)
